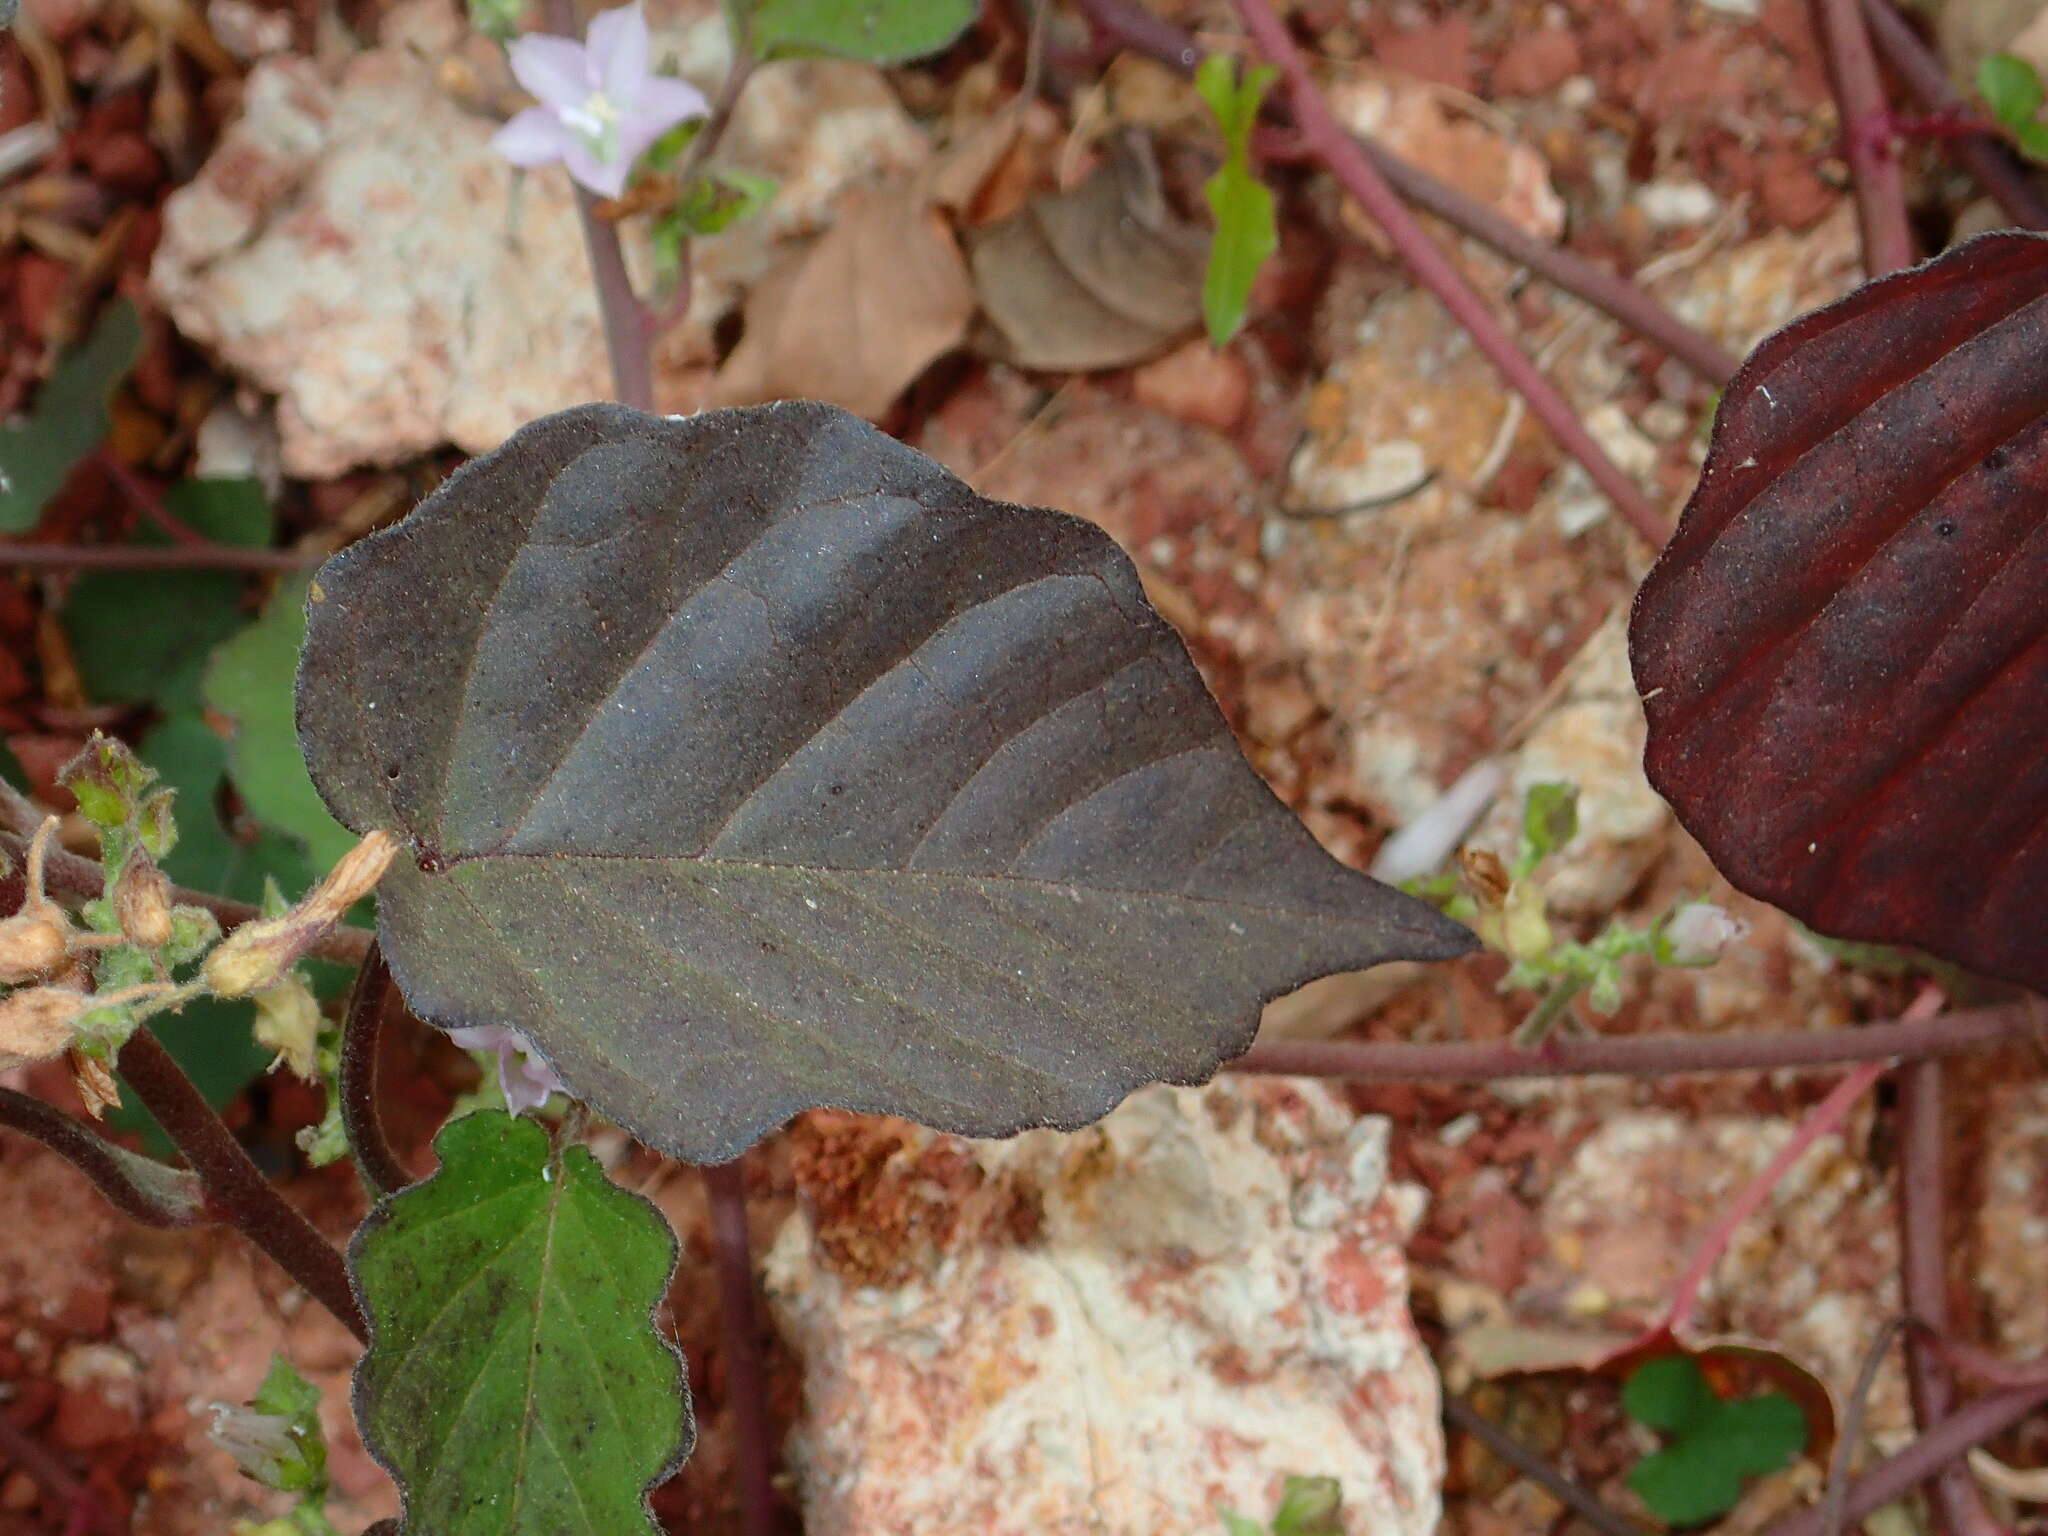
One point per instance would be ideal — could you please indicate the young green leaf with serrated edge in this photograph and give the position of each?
(1246, 233)
(145, 636)
(751, 762)
(876, 31)
(68, 419)
(516, 1383)
(249, 681)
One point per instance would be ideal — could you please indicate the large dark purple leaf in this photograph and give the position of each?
(752, 762)
(1844, 651)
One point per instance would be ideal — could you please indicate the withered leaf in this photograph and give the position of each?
(1098, 277)
(752, 762)
(1844, 650)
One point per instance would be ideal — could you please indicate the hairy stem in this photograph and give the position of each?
(1130, 24)
(1436, 272)
(1923, 1263)
(1880, 186)
(234, 1186)
(138, 1187)
(362, 1033)
(745, 1377)
(1895, 1476)
(1373, 1061)
(1462, 1415)
(1989, 159)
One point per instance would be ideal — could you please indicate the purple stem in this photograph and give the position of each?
(1372, 1061)
(746, 1379)
(17, 1446)
(235, 1187)
(1880, 186)
(1322, 135)
(1573, 1496)
(1923, 1263)
(1135, 27)
(1989, 159)
(138, 1187)
(362, 1033)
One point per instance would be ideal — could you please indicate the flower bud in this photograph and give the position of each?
(33, 946)
(259, 955)
(97, 1090)
(262, 1444)
(142, 903)
(37, 1023)
(1699, 933)
(288, 1022)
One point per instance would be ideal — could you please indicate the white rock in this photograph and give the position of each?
(1213, 1297)
(1676, 204)
(355, 247)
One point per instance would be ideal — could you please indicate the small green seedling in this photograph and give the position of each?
(1712, 1444)
(1309, 1506)
(2011, 88)
(1246, 232)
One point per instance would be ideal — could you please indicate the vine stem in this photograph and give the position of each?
(1581, 1501)
(1130, 24)
(234, 1185)
(746, 1378)
(1987, 157)
(362, 1034)
(1327, 140)
(1880, 185)
(87, 1513)
(1923, 1270)
(1373, 1061)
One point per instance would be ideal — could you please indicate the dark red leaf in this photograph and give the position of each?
(1844, 651)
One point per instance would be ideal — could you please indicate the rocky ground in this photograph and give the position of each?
(1388, 573)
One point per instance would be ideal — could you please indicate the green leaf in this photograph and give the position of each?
(2033, 139)
(878, 31)
(145, 636)
(1550, 819)
(1667, 1393)
(751, 762)
(1758, 1434)
(1686, 1483)
(516, 1383)
(1237, 1525)
(1310, 1506)
(68, 420)
(250, 682)
(2010, 88)
(1246, 232)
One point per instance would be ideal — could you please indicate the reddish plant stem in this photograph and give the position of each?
(138, 1187)
(1981, 1365)
(746, 1379)
(144, 500)
(1895, 1476)
(1135, 27)
(1923, 1266)
(1435, 271)
(66, 874)
(362, 1034)
(86, 1511)
(153, 557)
(234, 1186)
(1372, 1061)
(1988, 158)
(1880, 185)
(1825, 1116)
(1462, 1415)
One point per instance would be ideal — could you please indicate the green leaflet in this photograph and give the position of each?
(146, 635)
(877, 31)
(250, 681)
(1245, 230)
(69, 419)
(1714, 1443)
(516, 1381)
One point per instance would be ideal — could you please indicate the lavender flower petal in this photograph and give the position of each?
(620, 52)
(555, 70)
(534, 137)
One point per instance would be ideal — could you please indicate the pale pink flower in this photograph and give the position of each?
(526, 1079)
(601, 106)
(1699, 933)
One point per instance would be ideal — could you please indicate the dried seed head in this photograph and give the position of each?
(258, 956)
(1485, 877)
(33, 946)
(96, 1087)
(37, 1023)
(142, 902)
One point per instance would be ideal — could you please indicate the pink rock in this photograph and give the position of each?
(1214, 1297)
